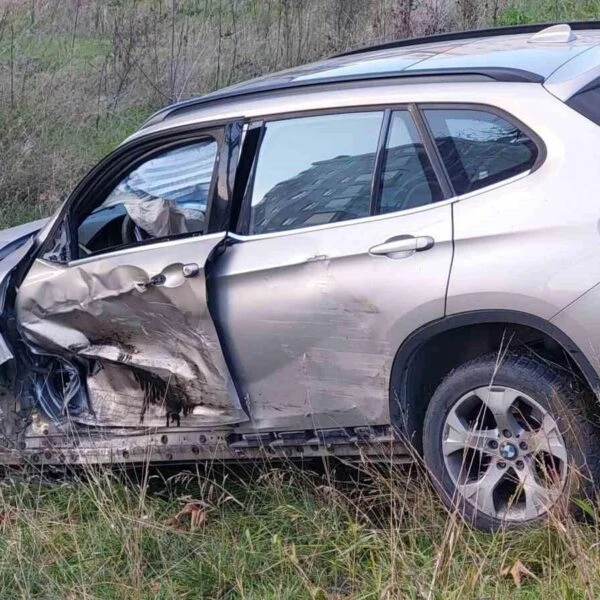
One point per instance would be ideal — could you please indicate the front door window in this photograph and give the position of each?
(166, 195)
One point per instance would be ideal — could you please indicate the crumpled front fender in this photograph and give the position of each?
(15, 244)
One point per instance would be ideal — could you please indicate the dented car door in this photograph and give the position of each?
(343, 248)
(129, 307)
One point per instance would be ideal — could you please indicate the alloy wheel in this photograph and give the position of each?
(505, 453)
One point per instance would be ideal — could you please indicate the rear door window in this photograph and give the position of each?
(479, 148)
(314, 170)
(408, 179)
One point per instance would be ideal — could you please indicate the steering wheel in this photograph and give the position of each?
(131, 233)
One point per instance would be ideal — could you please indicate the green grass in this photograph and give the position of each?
(96, 137)
(283, 534)
(523, 12)
(70, 147)
(50, 52)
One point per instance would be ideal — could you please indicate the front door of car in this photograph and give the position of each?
(343, 249)
(119, 289)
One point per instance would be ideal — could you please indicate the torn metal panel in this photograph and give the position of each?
(126, 397)
(20, 232)
(15, 243)
(5, 353)
(144, 324)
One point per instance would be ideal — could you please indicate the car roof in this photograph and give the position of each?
(518, 54)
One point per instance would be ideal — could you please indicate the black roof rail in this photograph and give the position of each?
(469, 34)
(496, 74)
(505, 74)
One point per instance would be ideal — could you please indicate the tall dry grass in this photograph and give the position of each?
(77, 76)
(275, 532)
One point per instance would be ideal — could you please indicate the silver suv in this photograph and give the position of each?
(397, 247)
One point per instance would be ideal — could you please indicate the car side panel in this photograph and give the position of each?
(581, 322)
(312, 321)
(532, 244)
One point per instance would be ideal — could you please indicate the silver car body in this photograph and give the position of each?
(301, 330)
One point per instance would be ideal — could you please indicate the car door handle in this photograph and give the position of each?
(173, 276)
(403, 243)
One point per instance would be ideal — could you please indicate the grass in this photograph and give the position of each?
(51, 52)
(76, 78)
(35, 188)
(274, 533)
(522, 12)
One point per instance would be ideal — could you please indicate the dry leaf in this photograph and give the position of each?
(175, 523)
(196, 514)
(517, 571)
(6, 519)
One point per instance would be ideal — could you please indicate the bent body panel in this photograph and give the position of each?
(144, 324)
(312, 321)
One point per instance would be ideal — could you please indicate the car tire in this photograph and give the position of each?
(529, 443)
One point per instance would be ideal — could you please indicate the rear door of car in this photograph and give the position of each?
(119, 289)
(343, 248)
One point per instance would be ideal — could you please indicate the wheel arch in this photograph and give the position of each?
(422, 354)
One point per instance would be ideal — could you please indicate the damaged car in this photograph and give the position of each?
(389, 253)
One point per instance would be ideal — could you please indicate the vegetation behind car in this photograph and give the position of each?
(78, 76)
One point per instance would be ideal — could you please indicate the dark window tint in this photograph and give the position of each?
(587, 102)
(478, 147)
(314, 170)
(408, 180)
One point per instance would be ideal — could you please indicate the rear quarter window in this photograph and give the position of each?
(479, 148)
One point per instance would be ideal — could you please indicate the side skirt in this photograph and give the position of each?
(380, 443)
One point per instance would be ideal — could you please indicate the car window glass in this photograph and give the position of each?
(408, 179)
(587, 103)
(166, 195)
(314, 170)
(478, 147)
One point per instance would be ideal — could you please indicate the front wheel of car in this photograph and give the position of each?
(507, 441)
